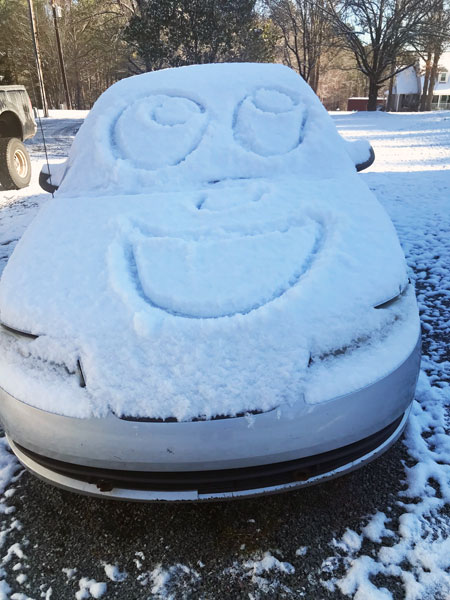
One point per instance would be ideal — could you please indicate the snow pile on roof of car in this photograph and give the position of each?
(210, 251)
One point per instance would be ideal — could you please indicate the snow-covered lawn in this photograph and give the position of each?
(406, 556)
(411, 177)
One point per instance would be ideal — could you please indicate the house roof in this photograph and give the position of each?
(407, 82)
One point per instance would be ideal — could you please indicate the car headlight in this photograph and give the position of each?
(27, 335)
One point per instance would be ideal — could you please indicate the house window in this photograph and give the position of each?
(443, 77)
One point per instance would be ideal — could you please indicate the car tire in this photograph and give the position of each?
(15, 164)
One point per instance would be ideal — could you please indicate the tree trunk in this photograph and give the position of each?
(312, 79)
(426, 82)
(391, 86)
(316, 75)
(433, 75)
(373, 94)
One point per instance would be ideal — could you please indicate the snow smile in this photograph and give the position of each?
(217, 273)
(221, 277)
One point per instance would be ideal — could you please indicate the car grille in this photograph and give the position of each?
(248, 413)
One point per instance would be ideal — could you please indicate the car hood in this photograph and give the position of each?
(205, 302)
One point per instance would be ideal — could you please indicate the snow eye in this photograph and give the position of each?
(272, 101)
(175, 111)
(269, 122)
(158, 131)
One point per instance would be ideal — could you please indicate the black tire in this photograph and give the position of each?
(15, 164)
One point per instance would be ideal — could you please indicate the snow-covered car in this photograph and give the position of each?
(214, 304)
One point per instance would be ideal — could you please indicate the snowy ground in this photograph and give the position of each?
(379, 533)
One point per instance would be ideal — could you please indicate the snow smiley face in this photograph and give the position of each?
(221, 247)
(218, 237)
(230, 256)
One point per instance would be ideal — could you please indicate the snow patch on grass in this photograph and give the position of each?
(113, 573)
(89, 588)
(416, 555)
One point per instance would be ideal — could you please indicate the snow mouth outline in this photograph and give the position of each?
(134, 264)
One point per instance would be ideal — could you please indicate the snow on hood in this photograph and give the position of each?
(210, 237)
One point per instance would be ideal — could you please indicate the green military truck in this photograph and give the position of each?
(16, 125)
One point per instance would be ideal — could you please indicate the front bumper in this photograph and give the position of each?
(211, 485)
(284, 449)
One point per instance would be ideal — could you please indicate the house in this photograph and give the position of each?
(408, 85)
(441, 96)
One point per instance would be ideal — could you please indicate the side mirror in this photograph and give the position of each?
(361, 153)
(46, 183)
(365, 164)
(51, 177)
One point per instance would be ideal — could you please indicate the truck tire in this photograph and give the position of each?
(15, 164)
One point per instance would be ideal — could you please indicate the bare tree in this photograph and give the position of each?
(95, 56)
(340, 80)
(305, 35)
(378, 32)
(430, 46)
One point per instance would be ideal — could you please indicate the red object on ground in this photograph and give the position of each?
(361, 103)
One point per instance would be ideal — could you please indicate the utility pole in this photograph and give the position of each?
(60, 54)
(38, 58)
